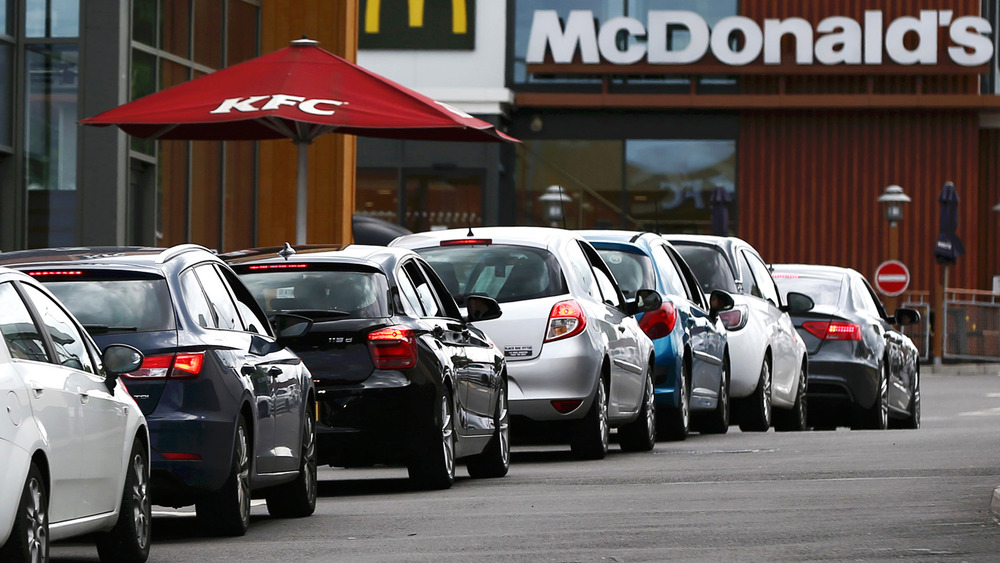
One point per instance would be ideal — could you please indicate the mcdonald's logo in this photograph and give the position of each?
(417, 24)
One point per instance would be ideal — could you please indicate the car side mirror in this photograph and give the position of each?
(905, 316)
(646, 300)
(119, 359)
(481, 308)
(719, 301)
(796, 302)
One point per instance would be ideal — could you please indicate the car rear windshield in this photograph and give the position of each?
(632, 270)
(317, 291)
(115, 302)
(823, 291)
(504, 272)
(709, 266)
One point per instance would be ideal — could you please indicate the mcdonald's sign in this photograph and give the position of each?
(418, 24)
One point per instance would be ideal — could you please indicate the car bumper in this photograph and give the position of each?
(746, 353)
(204, 444)
(833, 382)
(669, 363)
(566, 370)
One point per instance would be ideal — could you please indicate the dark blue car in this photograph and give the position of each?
(689, 339)
(230, 409)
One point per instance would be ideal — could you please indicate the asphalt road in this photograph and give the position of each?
(918, 495)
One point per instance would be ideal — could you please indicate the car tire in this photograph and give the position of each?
(29, 536)
(912, 421)
(227, 512)
(795, 419)
(717, 421)
(128, 541)
(297, 499)
(432, 462)
(674, 423)
(640, 434)
(755, 416)
(877, 416)
(494, 460)
(593, 433)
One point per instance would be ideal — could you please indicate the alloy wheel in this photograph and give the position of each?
(37, 516)
(243, 477)
(447, 436)
(141, 509)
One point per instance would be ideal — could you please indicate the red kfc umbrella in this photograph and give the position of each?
(299, 93)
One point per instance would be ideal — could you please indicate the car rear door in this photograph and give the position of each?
(781, 330)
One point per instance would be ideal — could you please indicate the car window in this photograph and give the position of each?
(762, 279)
(749, 283)
(691, 285)
(354, 293)
(226, 316)
(195, 300)
(19, 331)
(671, 278)
(632, 270)
(426, 297)
(410, 299)
(505, 272)
(251, 317)
(609, 290)
(449, 307)
(863, 301)
(105, 304)
(823, 291)
(709, 266)
(69, 343)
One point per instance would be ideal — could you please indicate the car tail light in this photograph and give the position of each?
(467, 241)
(56, 273)
(278, 267)
(169, 365)
(566, 319)
(393, 348)
(833, 330)
(735, 318)
(181, 457)
(565, 407)
(659, 323)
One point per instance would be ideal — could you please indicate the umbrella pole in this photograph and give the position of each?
(301, 194)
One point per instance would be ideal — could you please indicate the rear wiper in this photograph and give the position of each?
(101, 329)
(317, 313)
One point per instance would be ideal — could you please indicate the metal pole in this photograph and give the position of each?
(301, 194)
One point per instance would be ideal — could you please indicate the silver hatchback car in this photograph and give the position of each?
(577, 360)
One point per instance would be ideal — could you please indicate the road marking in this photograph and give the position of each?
(990, 412)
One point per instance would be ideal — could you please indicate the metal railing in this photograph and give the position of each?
(971, 325)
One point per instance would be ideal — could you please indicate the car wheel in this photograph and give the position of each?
(297, 499)
(29, 536)
(912, 421)
(675, 422)
(640, 435)
(227, 512)
(756, 413)
(494, 461)
(795, 419)
(432, 463)
(129, 540)
(717, 421)
(877, 417)
(591, 440)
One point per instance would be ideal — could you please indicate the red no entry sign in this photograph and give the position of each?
(892, 278)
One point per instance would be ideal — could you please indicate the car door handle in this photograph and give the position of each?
(36, 388)
(84, 398)
(274, 371)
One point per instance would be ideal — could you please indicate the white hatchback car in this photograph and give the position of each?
(769, 358)
(73, 443)
(577, 361)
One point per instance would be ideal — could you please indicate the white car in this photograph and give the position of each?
(73, 444)
(577, 361)
(769, 358)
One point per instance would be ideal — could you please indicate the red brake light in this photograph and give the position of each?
(55, 273)
(735, 318)
(277, 266)
(468, 241)
(833, 330)
(659, 323)
(785, 276)
(566, 319)
(181, 457)
(565, 407)
(169, 365)
(393, 348)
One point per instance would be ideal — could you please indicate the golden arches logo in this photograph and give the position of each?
(415, 10)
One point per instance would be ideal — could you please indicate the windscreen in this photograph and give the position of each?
(504, 272)
(709, 266)
(823, 291)
(116, 305)
(632, 271)
(341, 293)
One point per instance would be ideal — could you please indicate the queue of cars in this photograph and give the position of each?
(245, 371)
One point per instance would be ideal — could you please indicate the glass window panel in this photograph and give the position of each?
(208, 35)
(434, 201)
(669, 183)
(244, 31)
(144, 22)
(68, 341)
(6, 105)
(524, 13)
(590, 173)
(50, 156)
(195, 302)
(6, 17)
(52, 18)
(19, 331)
(218, 296)
(143, 84)
(175, 27)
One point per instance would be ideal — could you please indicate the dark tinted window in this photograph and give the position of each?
(101, 305)
(19, 331)
(823, 291)
(503, 272)
(360, 294)
(709, 266)
(633, 271)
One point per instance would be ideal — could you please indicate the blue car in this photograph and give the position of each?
(689, 338)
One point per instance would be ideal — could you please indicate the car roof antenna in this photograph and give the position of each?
(286, 252)
(469, 234)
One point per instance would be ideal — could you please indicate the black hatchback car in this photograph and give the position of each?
(402, 377)
(230, 409)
